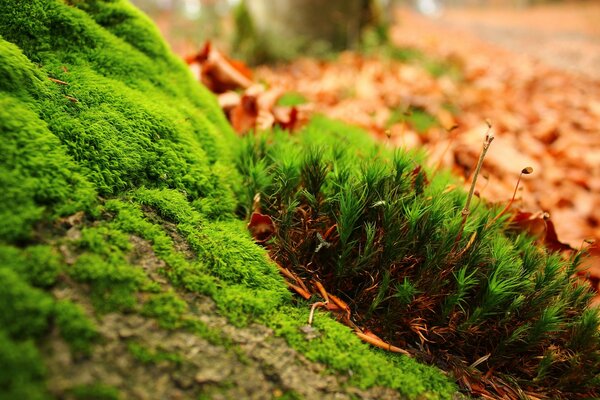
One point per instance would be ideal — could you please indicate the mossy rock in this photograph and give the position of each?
(119, 200)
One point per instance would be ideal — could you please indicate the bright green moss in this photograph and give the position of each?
(342, 351)
(38, 178)
(167, 308)
(113, 284)
(169, 204)
(136, 118)
(39, 265)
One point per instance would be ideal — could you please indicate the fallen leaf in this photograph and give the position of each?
(218, 72)
(261, 227)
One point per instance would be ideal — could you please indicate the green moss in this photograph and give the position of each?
(126, 98)
(167, 308)
(290, 99)
(113, 284)
(399, 251)
(97, 391)
(39, 265)
(133, 141)
(343, 352)
(22, 369)
(25, 310)
(38, 178)
(74, 326)
(152, 356)
(189, 274)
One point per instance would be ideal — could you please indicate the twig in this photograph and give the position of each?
(58, 81)
(312, 311)
(375, 341)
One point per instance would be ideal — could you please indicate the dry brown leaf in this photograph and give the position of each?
(261, 227)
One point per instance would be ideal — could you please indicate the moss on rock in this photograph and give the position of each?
(106, 137)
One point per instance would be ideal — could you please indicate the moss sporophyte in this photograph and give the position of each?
(125, 193)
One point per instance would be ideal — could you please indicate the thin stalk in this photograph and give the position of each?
(489, 137)
(524, 171)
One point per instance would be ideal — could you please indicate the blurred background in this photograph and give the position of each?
(565, 33)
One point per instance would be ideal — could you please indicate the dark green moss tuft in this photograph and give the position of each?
(379, 231)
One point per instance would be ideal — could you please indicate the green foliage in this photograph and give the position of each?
(383, 234)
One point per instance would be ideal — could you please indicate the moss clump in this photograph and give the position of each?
(377, 232)
(91, 103)
(38, 265)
